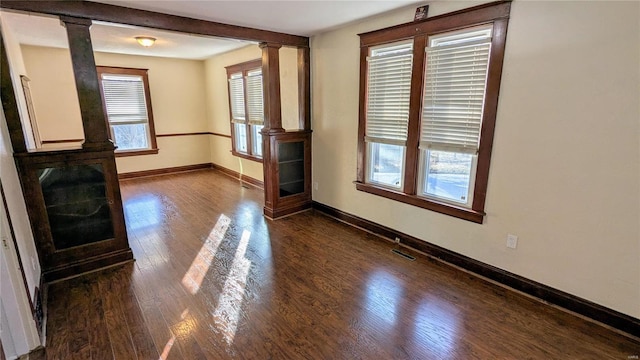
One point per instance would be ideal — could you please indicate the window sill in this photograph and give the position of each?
(136, 152)
(246, 156)
(443, 208)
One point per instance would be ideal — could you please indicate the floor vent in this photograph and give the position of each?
(406, 256)
(245, 186)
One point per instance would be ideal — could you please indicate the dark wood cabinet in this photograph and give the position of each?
(75, 207)
(288, 185)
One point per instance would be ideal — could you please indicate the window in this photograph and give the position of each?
(429, 94)
(246, 108)
(127, 104)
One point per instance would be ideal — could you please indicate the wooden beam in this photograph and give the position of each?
(151, 19)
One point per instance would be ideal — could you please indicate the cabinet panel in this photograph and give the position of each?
(76, 203)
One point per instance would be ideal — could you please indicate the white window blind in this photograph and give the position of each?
(388, 93)
(254, 97)
(236, 94)
(454, 90)
(124, 99)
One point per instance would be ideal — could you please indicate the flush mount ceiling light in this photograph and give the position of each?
(145, 41)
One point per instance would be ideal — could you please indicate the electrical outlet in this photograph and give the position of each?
(397, 240)
(315, 186)
(33, 263)
(512, 241)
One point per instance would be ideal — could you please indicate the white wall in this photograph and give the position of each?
(565, 171)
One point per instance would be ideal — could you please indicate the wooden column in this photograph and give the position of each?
(286, 154)
(304, 89)
(84, 69)
(271, 87)
(10, 105)
(272, 123)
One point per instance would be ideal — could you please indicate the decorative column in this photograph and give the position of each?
(87, 84)
(272, 123)
(286, 154)
(304, 89)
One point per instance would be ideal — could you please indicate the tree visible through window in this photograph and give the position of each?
(127, 104)
(246, 109)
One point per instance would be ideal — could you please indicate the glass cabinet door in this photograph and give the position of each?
(77, 205)
(291, 167)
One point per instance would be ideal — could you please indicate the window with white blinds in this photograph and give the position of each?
(246, 108)
(455, 82)
(124, 99)
(388, 93)
(255, 104)
(128, 109)
(236, 97)
(428, 100)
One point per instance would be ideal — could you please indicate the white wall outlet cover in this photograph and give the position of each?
(512, 241)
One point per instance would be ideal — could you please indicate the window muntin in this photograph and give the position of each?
(433, 177)
(128, 109)
(246, 105)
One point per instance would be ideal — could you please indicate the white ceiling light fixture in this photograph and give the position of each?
(145, 41)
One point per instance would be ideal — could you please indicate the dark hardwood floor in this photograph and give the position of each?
(213, 279)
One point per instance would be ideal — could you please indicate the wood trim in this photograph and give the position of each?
(243, 67)
(483, 13)
(63, 141)
(415, 111)
(178, 169)
(194, 133)
(144, 74)
(304, 88)
(596, 312)
(163, 171)
(490, 112)
(9, 103)
(156, 20)
(246, 156)
(136, 152)
(221, 135)
(88, 265)
(236, 175)
(362, 117)
(443, 208)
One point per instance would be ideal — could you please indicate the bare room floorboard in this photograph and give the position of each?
(214, 279)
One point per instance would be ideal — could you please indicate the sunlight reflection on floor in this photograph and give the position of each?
(200, 265)
(436, 325)
(384, 291)
(167, 348)
(227, 313)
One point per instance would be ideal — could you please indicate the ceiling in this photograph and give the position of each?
(299, 17)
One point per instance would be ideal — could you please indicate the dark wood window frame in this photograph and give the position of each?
(243, 68)
(496, 13)
(145, 80)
